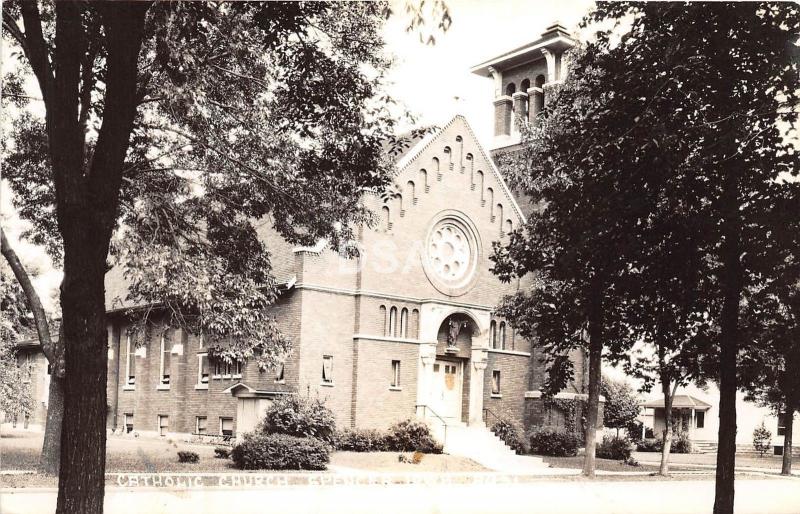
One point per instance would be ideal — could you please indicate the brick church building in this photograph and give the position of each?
(405, 330)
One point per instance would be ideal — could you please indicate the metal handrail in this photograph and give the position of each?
(486, 412)
(441, 419)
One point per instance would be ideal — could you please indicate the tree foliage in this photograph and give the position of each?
(16, 324)
(621, 405)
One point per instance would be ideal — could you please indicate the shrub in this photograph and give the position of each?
(412, 435)
(616, 448)
(221, 452)
(681, 443)
(556, 443)
(363, 440)
(762, 439)
(648, 445)
(508, 433)
(189, 457)
(280, 451)
(299, 416)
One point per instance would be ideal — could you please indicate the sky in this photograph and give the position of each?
(434, 82)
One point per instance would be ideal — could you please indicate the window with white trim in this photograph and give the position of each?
(202, 368)
(502, 335)
(128, 422)
(496, 381)
(201, 425)
(395, 374)
(493, 335)
(130, 362)
(227, 369)
(226, 426)
(163, 425)
(327, 369)
(164, 366)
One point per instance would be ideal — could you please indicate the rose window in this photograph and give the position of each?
(449, 252)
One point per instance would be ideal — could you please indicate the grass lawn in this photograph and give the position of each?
(19, 450)
(742, 461)
(601, 464)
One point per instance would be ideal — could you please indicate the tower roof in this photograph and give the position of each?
(555, 38)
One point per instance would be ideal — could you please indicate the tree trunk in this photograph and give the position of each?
(83, 434)
(593, 403)
(731, 284)
(786, 464)
(49, 459)
(663, 469)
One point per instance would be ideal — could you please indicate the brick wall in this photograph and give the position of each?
(377, 404)
(514, 379)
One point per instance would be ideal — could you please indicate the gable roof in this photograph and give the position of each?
(680, 401)
(413, 153)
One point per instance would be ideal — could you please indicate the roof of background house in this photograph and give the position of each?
(680, 401)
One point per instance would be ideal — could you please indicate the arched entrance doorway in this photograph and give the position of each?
(450, 384)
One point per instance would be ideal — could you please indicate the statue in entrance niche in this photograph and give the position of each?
(454, 329)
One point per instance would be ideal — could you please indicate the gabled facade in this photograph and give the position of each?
(405, 330)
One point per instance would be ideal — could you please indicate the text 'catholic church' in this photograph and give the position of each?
(406, 330)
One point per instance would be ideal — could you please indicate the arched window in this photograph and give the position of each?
(415, 324)
(539, 99)
(400, 203)
(423, 180)
(449, 153)
(383, 320)
(386, 222)
(493, 334)
(490, 199)
(500, 215)
(435, 167)
(511, 88)
(480, 185)
(404, 323)
(524, 87)
(509, 226)
(412, 190)
(502, 335)
(539, 81)
(393, 322)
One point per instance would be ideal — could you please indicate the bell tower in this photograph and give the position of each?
(522, 78)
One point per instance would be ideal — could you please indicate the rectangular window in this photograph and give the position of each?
(130, 362)
(327, 369)
(201, 425)
(279, 373)
(236, 369)
(163, 425)
(781, 423)
(128, 422)
(496, 381)
(226, 426)
(164, 365)
(395, 374)
(700, 419)
(202, 368)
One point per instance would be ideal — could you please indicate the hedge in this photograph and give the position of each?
(280, 451)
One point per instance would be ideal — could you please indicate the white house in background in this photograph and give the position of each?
(697, 411)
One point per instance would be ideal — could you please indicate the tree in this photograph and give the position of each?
(621, 406)
(189, 123)
(731, 107)
(15, 323)
(704, 126)
(771, 326)
(762, 439)
(573, 300)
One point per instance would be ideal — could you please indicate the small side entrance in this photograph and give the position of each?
(249, 411)
(447, 384)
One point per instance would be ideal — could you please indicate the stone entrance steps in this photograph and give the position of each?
(485, 448)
